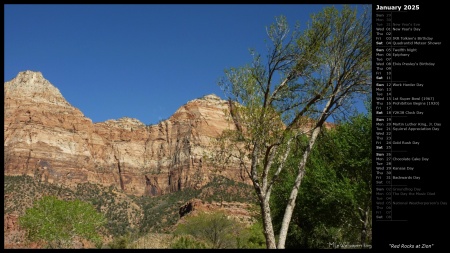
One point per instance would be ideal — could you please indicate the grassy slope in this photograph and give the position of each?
(138, 217)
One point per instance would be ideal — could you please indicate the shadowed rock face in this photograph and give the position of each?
(49, 139)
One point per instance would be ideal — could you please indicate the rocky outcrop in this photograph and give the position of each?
(10, 222)
(190, 206)
(53, 141)
(235, 210)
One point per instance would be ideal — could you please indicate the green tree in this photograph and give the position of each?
(355, 139)
(308, 76)
(334, 205)
(215, 230)
(59, 222)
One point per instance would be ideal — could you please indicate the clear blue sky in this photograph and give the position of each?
(138, 61)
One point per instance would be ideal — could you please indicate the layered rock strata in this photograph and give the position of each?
(48, 138)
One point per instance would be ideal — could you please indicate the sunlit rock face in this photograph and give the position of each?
(49, 139)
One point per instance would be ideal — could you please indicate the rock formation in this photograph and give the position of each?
(53, 141)
(46, 137)
(236, 210)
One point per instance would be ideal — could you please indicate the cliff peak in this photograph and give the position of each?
(32, 84)
(211, 97)
(124, 122)
(28, 79)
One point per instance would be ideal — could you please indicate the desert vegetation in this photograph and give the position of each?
(130, 221)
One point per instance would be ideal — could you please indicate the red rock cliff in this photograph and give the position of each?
(49, 139)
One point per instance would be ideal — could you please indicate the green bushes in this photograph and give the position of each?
(120, 242)
(252, 237)
(187, 242)
(57, 222)
(217, 231)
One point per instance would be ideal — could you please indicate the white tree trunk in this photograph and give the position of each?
(267, 223)
(291, 202)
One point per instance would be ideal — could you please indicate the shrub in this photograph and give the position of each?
(215, 229)
(187, 242)
(58, 221)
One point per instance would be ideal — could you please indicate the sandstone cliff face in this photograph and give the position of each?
(47, 138)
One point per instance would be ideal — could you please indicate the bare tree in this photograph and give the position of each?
(307, 77)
